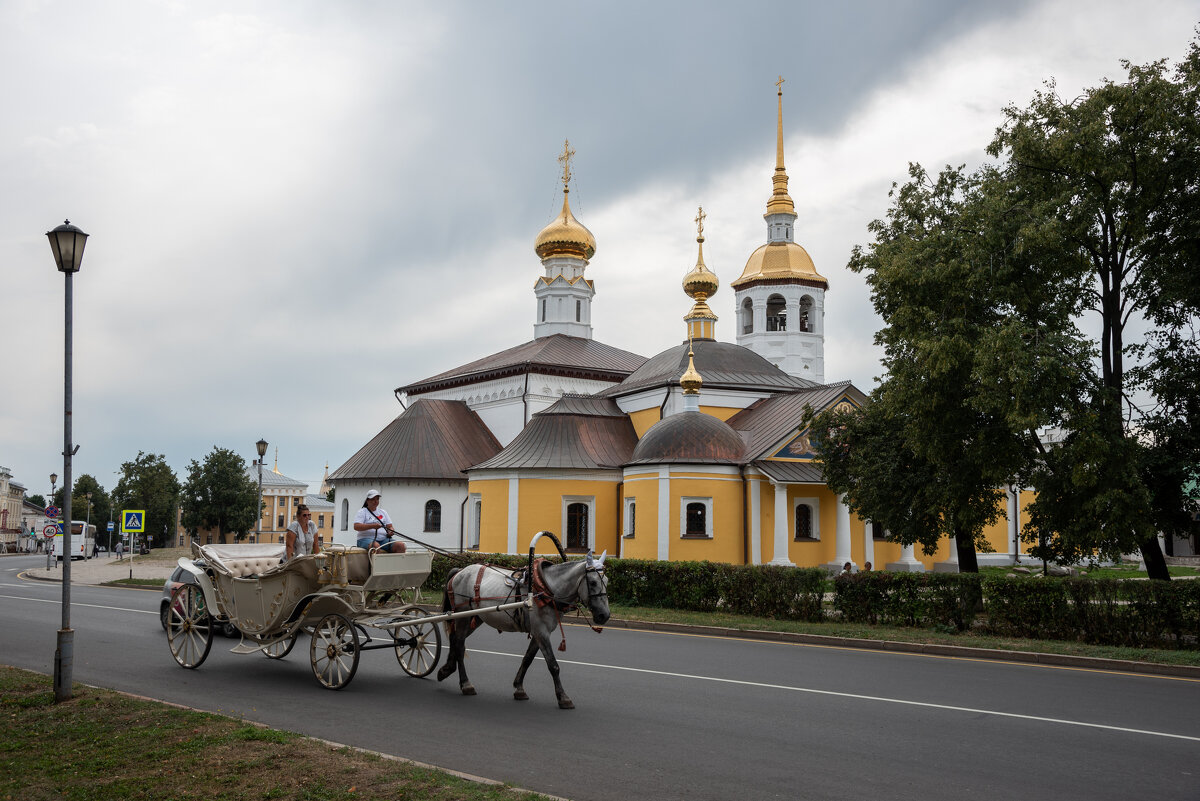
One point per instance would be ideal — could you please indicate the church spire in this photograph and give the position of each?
(781, 201)
(700, 284)
(562, 293)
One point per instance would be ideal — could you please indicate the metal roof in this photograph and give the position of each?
(771, 419)
(691, 438)
(577, 433)
(434, 439)
(793, 472)
(557, 354)
(272, 479)
(720, 364)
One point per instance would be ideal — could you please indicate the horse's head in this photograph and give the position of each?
(596, 584)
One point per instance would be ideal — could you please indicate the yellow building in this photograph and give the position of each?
(695, 453)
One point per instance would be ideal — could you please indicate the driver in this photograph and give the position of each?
(374, 527)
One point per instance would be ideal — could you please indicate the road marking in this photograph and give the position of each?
(881, 699)
(58, 601)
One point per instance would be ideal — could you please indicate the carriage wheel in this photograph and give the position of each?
(334, 652)
(280, 648)
(418, 647)
(189, 626)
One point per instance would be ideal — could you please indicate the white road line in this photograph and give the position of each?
(880, 699)
(76, 603)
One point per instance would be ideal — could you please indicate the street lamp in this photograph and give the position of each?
(261, 445)
(67, 243)
(88, 526)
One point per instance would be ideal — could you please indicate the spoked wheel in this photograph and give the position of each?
(281, 648)
(334, 652)
(189, 626)
(419, 646)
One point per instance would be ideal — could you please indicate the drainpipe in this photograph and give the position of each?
(462, 522)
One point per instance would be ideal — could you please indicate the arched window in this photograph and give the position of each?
(345, 513)
(697, 520)
(804, 522)
(433, 516)
(747, 316)
(806, 322)
(577, 525)
(877, 531)
(776, 313)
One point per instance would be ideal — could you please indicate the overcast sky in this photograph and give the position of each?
(296, 207)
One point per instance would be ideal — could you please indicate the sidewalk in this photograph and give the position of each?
(106, 568)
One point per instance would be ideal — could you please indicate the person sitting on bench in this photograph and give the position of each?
(374, 527)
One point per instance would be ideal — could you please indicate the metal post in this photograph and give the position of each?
(258, 523)
(64, 654)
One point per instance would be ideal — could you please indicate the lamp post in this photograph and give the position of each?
(261, 445)
(88, 526)
(67, 243)
(50, 544)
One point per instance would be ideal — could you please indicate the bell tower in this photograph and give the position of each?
(563, 294)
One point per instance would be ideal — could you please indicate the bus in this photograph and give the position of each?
(83, 539)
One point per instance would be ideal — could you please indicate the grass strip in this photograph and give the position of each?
(104, 745)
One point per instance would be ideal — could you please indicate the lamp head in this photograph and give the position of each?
(67, 243)
(262, 448)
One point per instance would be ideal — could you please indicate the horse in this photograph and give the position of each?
(555, 587)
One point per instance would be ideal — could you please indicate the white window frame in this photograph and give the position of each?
(708, 517)
(474, 519)
(630, 530)
(590, 502)
(815, 505)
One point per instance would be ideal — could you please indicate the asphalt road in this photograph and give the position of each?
(668, 716)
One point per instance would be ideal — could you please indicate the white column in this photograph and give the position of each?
(908, 562)
(843, 531)
(514, 494)
(1011, 503)
(665, 534)
(868, 546)
(781, 527)
(755, 524)
(951, 563)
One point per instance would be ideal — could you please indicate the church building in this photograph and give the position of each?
(695, 453)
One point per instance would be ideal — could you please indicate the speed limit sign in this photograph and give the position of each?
(50, 531)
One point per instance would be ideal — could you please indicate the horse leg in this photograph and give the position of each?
(541, 628)
(461, 632)
(451, 652)
(519, 681)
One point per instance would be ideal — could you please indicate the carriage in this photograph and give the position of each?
(341, 595)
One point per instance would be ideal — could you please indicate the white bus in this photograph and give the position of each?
(81, 542)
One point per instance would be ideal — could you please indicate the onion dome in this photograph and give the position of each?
(691, 437)
(691, 381)
(781, 261)
(700, 284)
(565, 236)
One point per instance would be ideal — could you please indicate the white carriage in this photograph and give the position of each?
(336, 596)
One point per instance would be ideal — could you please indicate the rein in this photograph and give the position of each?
(457, 557)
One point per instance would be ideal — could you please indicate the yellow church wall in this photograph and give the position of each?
(726, 544)
(541, 509)
(643, 488)
(493, 517)
(643, 419)
(823, 551)
(720, 412)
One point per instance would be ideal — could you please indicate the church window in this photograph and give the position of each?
(578, 311)
(345, 514)
(433, 516)
(807, 519)
(475, 522)
(747, 316)
(320, 521)
(696, 516)
(577, 526)
(776, 313)
(630, 517)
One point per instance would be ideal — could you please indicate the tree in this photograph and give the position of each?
(37, 500)
(219, 495)
(329, 496)
(149, 483)
(101, 503)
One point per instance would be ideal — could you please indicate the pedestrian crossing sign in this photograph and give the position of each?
(133, 521)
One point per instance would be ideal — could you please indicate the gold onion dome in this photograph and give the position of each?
(780, 260)
(565, 236)
(701, 283)
(691, 381)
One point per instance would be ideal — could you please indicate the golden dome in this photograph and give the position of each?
(566, 236)
(700, 284)
(691, 380)
(780, 260)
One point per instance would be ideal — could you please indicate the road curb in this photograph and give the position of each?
(929, 649)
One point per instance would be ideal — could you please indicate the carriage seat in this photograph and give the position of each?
(243, 561)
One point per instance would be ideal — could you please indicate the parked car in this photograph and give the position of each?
(178, 578)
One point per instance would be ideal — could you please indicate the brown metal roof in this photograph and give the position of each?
(689, 437)
(721, 364)
(769, 420)
(577, 432)
(557, 354)
(793, 472)
(431, 439)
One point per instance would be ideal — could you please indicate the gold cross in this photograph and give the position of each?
(700, 222)
(565, 160)
(779, 84)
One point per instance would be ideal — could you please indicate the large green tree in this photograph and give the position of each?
(219, 495)
(149, 483)
(989, 285)
(101, 504)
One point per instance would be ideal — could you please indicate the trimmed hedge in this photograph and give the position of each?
(1099, 611)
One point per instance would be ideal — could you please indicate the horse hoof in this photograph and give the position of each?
(468, 689)
(566, 703)
(445, 672)
(520, 695)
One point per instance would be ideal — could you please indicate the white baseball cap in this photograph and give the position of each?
(373, 494)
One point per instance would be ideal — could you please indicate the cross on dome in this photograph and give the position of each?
(565, 160)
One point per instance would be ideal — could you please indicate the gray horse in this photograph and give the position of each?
(555, 588)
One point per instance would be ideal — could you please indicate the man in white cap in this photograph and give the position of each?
(374, 527)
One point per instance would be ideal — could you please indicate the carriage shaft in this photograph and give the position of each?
(527, 602)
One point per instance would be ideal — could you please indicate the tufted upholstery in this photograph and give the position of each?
(241, 561)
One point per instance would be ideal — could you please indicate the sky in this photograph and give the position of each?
(296, 207)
